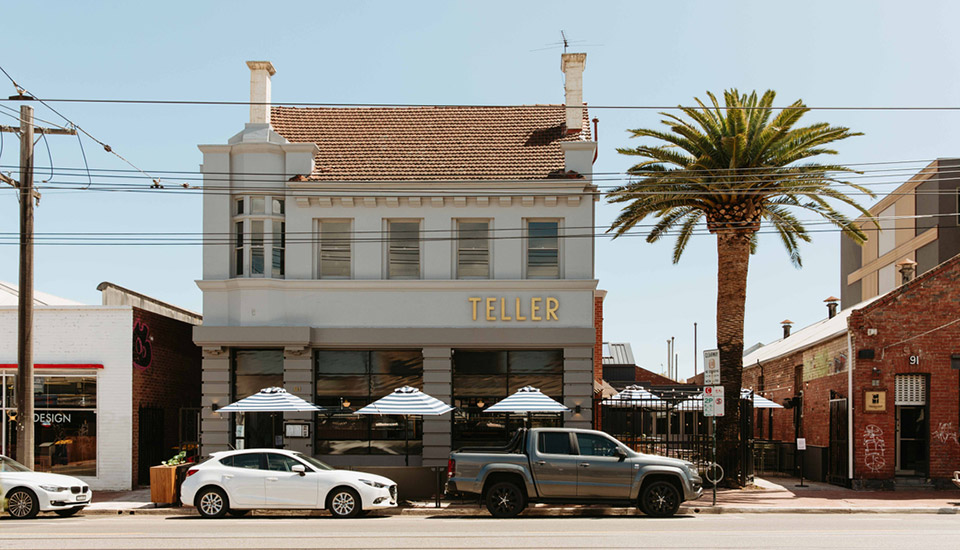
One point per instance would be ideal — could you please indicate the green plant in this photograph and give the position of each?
(178, 459)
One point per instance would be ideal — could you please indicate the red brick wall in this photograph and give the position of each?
(170, 381)
(598, 344)
(919, 319)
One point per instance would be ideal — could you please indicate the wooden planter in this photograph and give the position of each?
(165, 483)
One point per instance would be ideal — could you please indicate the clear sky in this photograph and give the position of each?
(851, 53)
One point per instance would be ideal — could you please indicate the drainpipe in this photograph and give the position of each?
(850, 359)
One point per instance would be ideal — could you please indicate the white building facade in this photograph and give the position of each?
(351, 251)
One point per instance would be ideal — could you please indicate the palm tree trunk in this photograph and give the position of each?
(733, 259)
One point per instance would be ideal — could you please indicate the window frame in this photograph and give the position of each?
(527, 248)
(318, 231)
(243, 245)
(387, 248)
(457, 250)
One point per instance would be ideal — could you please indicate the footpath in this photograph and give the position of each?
(776, 495)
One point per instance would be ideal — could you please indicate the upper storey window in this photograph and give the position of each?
(259, 236)
(473, 249)
(334, 249)
(543, 249)
(403, 249)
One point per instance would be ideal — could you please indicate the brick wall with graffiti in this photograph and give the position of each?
(166, 378)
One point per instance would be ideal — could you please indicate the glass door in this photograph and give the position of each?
(912, 440)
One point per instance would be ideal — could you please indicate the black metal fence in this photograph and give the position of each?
(670, 422)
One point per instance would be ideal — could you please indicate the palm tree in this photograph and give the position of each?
(736, 167)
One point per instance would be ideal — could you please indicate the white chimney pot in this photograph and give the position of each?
(260, 73)
(572, 65)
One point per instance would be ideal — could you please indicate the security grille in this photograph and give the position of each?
(911, 389)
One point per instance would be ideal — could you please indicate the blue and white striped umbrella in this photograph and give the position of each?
(271, 400)
(631, 396)
(527, 400)
(407, 401)
(759, 401)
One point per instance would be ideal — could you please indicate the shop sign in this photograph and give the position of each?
(499, 308)
(48, 418)
(875, 401)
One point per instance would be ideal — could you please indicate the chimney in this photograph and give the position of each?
(572, 66)
(907, 268)
(787, 323)
(260, 73)
(832, 307)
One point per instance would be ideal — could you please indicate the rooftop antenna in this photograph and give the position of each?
(565, 42)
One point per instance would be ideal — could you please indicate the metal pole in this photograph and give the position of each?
(673, 347)
(715, 459)
(694, 349)
(25, 436)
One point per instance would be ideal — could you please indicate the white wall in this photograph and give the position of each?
(89, 334)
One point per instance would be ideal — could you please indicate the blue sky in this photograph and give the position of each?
(639, 53)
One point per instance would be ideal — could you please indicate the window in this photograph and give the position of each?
(262, 252)
(554, 443)
(281, 463)
(250, 461)
(403, 254)
(481, 378)
(334, 249)
(473, 249)
(238, 247)
(595, 445)
(543, 250)
(65, 422)
(348, 380)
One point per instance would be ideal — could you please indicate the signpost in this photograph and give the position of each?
(711, 367)
(713, 407)
(802, 450)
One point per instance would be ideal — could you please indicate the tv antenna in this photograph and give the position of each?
(565, 43)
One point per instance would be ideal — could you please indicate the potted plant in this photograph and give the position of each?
(166, 478)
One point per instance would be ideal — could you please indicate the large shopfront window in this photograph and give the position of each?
(254, 370)
(64, 422)
(348, 380)
(481, 378)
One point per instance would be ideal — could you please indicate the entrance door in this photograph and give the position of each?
(150, 442)
(912, 440)
(837, 468)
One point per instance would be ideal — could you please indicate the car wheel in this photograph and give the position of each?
(238, 513)
(345, 503)
(212, 503)
(505, 500)
(22, 504)
(68, 512)
(660, 499)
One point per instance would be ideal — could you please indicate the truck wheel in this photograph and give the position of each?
(660, 499)
(505, 500)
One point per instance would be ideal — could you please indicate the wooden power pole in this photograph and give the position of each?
(24, 395)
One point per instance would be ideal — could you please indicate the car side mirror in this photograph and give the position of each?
(621, 454)
(298, 468)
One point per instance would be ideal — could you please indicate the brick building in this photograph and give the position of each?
(117, 384)
(896, 355)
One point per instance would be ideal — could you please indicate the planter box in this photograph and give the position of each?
(165, 483)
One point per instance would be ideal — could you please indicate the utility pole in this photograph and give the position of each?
(24, 388)
(694, 349)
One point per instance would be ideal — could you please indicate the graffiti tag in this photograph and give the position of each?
(142, 351)
(945, 433)
(873, 448)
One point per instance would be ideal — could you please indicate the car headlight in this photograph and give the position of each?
(53, 488)
(374, 484)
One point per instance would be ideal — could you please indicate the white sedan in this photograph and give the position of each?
(25, 493)
(235, 482)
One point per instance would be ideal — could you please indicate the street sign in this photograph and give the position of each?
(713, 401)
(711, 367)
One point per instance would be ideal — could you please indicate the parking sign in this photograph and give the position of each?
(711, 367)
(713, 401)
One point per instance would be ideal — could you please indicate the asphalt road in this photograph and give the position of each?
(845, 531)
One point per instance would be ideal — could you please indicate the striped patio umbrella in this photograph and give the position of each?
(631, 396)
(407, 402)
(527, 400)
(271, 400)
(759, 402)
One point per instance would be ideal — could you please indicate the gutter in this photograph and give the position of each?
(850, 405)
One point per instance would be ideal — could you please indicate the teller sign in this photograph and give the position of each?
(713, 401)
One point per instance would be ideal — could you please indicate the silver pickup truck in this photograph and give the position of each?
(571, 466)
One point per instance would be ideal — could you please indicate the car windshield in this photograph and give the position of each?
(312, 461)
(10, 465)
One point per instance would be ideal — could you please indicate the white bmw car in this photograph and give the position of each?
(235, 482)
(25, 493)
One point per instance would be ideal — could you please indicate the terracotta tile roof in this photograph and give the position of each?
(461, 143)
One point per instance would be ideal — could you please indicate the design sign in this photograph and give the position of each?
(875, 401)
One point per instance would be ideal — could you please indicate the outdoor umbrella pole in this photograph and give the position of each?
(406, 439)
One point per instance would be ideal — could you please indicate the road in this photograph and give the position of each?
(848, 531)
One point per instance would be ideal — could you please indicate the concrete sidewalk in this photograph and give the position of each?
(770, 496)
